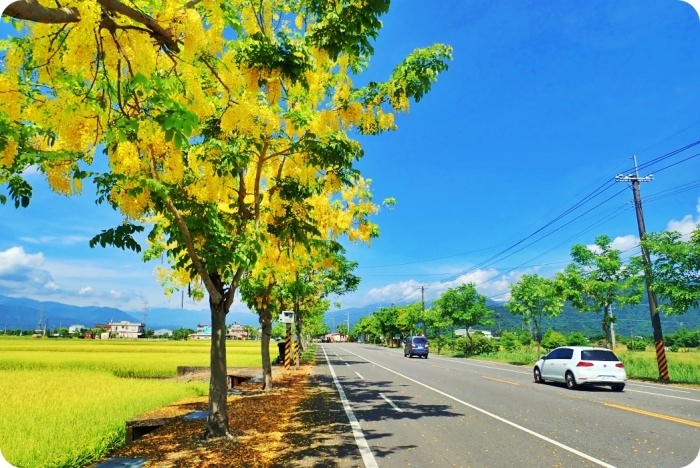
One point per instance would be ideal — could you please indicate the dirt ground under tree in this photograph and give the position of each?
(297, 423)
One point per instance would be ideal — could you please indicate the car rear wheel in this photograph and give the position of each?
(538, 375)
(618, 388)
(570, 381)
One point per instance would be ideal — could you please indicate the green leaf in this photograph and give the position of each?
(121, 237)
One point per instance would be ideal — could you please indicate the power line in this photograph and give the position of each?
(599, 190)
(433, 259)
(492, 259)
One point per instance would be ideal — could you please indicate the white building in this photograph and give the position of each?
(461, 332)
(203, 332)
(76, 329)
(236, 332)
(233, 332)
(126, 329)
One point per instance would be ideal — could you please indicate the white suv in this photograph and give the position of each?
(581, 365)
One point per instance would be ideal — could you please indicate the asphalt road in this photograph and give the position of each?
(460, 412)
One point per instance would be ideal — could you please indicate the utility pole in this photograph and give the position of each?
(144, 314)
(653, 310)
(348, 335)
(422, 301)
(632, 337)
(612, 329)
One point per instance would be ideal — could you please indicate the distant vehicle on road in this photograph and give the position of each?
(416, 345)
(581, 365)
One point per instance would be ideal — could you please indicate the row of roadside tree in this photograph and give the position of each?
(597, 279)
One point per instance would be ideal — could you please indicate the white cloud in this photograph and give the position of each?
(621, 243)
(686, 225)
(67, 240)
(15, 260)
(403, 291)
(488, 283)
(624, 243)
(126, 285)
(21, 271)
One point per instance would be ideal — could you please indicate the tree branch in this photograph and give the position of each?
(31, 10)
(214, 294)
(157, 31)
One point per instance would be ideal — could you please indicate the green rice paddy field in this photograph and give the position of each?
(64, 402)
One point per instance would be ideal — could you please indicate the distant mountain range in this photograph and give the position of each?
(25, 314)
(22, 313)
(630, 320)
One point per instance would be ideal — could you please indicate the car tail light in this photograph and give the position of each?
(584, 364)
(413, 346)
(427, 346)
(619, 364)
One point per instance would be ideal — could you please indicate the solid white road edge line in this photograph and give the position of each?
(662, 395)
(494, 416)
(391, 403)
(360, 440)
(665, 387)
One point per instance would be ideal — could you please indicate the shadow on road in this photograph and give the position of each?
(320, 434)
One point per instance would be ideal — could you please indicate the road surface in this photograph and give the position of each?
(461, 412)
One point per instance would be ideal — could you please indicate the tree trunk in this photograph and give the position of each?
(471, 343)
(266, 324)
(538, 338)
(606, 326)
(217, 419)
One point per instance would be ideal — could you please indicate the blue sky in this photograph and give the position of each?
(543, 104)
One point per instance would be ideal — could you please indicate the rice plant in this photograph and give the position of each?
(65, 402)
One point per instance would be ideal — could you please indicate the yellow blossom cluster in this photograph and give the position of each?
(126, 160)
(131, 205)
(60, 178)
(117, 86)
(7, 156)
(10, 100)
(352, 113)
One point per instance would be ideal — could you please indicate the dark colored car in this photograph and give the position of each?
(416, 345)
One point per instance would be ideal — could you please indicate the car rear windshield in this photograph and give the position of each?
(420, 339)
(598, 355)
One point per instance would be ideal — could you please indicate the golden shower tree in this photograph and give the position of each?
(216, 119)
